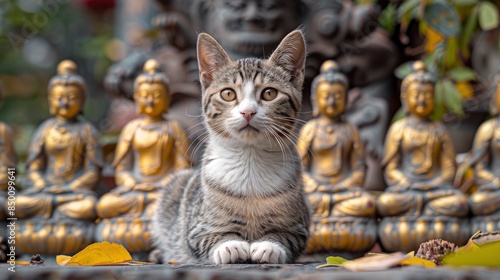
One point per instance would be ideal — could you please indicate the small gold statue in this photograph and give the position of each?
(149, 149)
(420, 202)
(63, 167)
(8, 159)
(485, 202)
(333, 160)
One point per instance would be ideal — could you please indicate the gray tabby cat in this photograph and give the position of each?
(246, 204)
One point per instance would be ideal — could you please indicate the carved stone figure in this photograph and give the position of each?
(63, 167)
(149, 149)
(333, 158)
(485, 202)
(420, 202)
(8, 159)
(335, 29)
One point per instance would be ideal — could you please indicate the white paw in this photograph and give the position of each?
(232, 252)
(267, 252)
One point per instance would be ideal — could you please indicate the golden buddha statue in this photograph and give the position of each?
(334, 171)
(420, 202)
(150, 148)
(63, 167)
(8, 159)
(485, 202)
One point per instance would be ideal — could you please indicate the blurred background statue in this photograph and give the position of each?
(333, 158)
(420, 202)
(8, 159)
(485, 201)
(57, 210)
(150, 148)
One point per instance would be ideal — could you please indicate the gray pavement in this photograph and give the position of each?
(239, 272)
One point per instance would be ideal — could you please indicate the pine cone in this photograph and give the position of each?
(36, 260)
(435, 249)
(3, 249)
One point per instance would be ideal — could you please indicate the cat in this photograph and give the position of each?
(246, 203)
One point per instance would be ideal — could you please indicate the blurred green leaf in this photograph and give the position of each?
(468, 31)
(443, 18)
(488, 15)
(439, 108)
(464, 2)
(403, 70)
(452, 98)
(462, 74)
(451, 55)
(387, 19)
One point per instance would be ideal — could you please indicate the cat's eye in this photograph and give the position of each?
(269, 94)
(228, 94)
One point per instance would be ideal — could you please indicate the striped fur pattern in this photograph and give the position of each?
(246, 204)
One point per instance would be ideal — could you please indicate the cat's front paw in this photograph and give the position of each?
(267, 252)
(232, 252)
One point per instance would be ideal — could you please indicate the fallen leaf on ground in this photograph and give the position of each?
(333, 261)
(370, 262)
(475, 255)
(379, 262)
(99, 254)
(418, 262)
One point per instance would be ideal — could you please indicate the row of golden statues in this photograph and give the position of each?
(59, 213)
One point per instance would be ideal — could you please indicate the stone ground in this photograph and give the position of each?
(239, 272)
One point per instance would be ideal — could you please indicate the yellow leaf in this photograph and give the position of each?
(433, 39)
(22, 262)
(62, 259)
(475, 255)
(411, 254)
(378, 262)
(465, 89)
(102, 253)
(419, 262)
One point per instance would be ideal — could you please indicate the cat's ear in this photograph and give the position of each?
(211, 57)
(291, 56)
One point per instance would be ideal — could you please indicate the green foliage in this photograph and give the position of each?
(488, 15)
(387, 19)
(455, 22)
(462, 74)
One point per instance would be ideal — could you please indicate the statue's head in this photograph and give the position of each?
(417, 91)
(151, 91)
(495, 95)
(329, 91)
(249, 28)
(66, 91)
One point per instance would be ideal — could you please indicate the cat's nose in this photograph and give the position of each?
(248, 114)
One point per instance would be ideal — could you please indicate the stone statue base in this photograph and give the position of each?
(53, 237)
(407, 233)
(133, 234)
(485, 223)
(349, 235)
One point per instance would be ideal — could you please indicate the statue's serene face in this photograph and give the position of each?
(251, 27)
(331, 99)
(152, 99)
(420, 99)
(65, 101)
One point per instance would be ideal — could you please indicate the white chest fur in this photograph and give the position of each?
(248, 170)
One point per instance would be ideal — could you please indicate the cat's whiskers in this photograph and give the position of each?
(280, 142)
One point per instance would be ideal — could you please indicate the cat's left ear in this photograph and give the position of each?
(291, 56)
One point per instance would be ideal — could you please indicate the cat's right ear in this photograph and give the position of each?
(211, 57)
